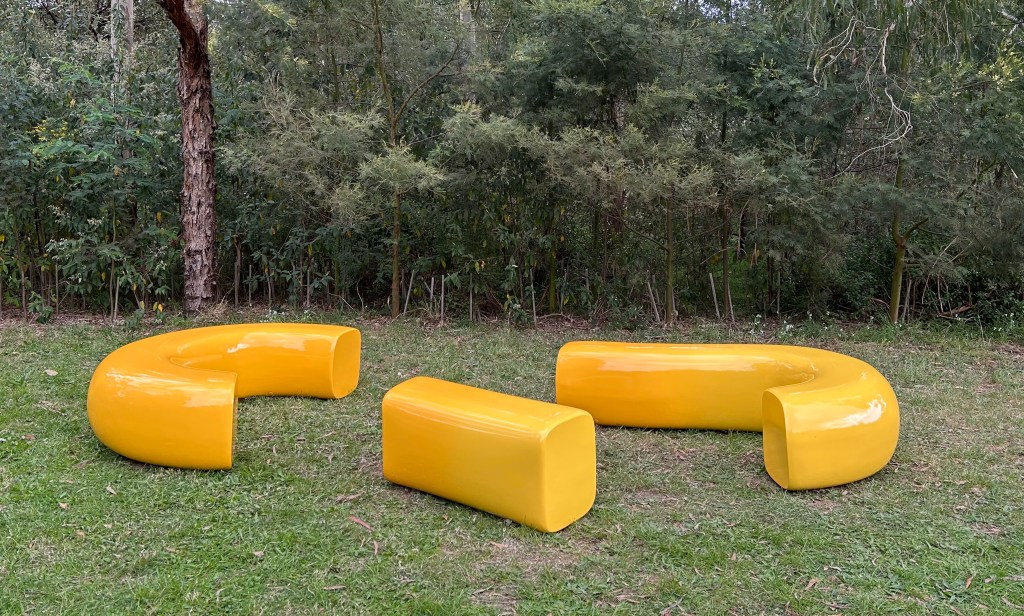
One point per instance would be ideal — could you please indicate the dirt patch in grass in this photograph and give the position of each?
(499, 597)
(530, 557)
(370, 465)
(823, 504)
(43, 553)
(645, 499)
(631, 598)
(988, 530)
(1009, 349)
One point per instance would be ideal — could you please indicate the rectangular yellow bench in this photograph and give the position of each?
(531, 462)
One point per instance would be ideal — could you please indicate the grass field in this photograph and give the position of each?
(686, 522)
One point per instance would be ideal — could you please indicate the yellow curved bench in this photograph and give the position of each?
(171, 399)
(827, 418)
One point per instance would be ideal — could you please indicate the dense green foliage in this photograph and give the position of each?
(610, 159)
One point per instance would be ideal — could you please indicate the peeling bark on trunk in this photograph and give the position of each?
(198, 191)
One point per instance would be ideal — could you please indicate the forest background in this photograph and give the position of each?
(628, 161)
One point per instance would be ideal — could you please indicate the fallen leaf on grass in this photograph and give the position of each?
(62, 505)
(258, 553)
(80, 534)
(376, 548)
(28, 437)
(969, 580)
(342, 498)
(112, 490)
(360, 522)
(50, 372)
(812, 583)
(334, 588)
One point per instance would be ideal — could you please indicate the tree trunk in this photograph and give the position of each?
(670, 271)
(199, 189)
(900, 241)
(897, 269)
(468, 40)
(552, 291)
(469, 23)
(122, 21)
(552, 281)
(394, 115)
(24, 293)
(396, 108)
(726, 212)
(396, 264)
(238, 270)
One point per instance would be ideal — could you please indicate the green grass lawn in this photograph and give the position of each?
(685, 521)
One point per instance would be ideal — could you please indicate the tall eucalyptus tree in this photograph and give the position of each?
(199, 187)
(890, 44)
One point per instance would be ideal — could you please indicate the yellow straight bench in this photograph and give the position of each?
(531, 462)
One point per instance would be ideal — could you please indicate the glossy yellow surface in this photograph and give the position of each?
(528, 461)
(827, 418)
(171, 399)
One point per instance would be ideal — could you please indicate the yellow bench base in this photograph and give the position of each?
(531, 462)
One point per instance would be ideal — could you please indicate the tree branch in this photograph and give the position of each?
(914, 228)
(423, 83)
(178, 13)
